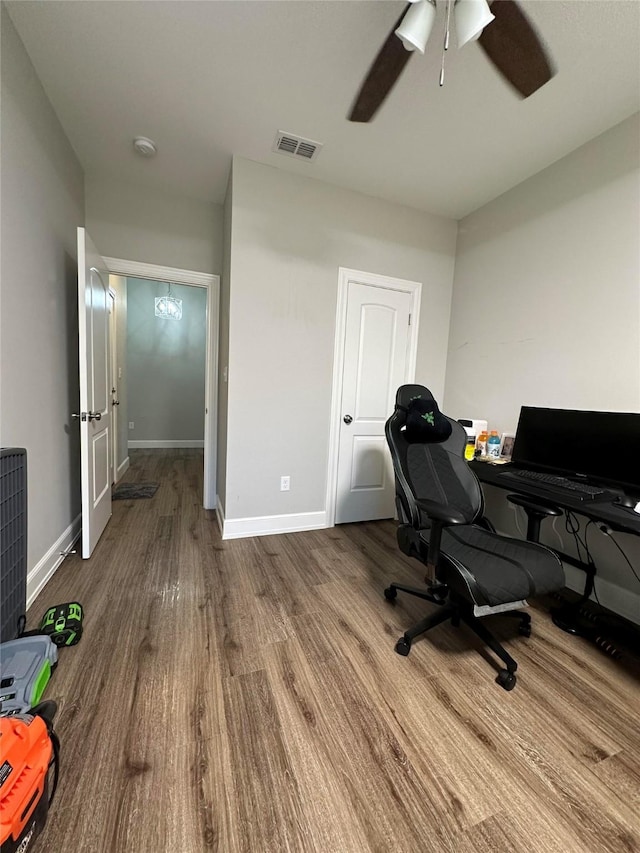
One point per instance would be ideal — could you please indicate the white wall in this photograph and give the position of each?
(140, 224)
(42, 205)
(166, 365)
(223, 347)
(546, 312)
(289, 236)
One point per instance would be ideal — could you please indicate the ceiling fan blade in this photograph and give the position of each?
(513, 46)
(386, 68)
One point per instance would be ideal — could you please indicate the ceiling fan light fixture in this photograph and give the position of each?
(416, 26)
(471, 16)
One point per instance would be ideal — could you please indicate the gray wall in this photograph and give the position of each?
(289, 236)
(223, 347)
(166, 364)
(141, 224)
(546, 309)
(42, 204)
(546, 296)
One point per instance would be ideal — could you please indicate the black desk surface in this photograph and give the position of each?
(618, 518)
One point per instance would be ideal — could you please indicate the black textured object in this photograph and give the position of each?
(13, 540)
(132, 491)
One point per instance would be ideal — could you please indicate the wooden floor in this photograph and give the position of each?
(245, 696)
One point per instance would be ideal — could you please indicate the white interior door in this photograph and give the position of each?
(376, 361)
(114, 402)
(95, 444)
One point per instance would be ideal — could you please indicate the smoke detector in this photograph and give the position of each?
(145, 147)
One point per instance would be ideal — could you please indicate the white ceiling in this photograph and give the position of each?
(206, 80)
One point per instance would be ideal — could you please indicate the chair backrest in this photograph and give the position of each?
(430, 470)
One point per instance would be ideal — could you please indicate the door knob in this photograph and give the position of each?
(88, 416)
(347, 419)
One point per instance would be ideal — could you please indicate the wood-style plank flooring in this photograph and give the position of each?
(245, 696)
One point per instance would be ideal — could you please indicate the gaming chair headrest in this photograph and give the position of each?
(424, 422)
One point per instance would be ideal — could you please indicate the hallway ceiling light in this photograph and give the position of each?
(168, 307)
(144, 146)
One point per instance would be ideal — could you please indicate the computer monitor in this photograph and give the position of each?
(601, 447)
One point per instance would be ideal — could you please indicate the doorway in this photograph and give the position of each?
(375, 352)
(166, 358)
(165, 347)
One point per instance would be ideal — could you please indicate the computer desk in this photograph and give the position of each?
(604, 511)
(616, 517)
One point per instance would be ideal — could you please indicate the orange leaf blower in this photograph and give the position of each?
(29, 750)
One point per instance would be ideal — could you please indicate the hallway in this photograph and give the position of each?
(245, 696)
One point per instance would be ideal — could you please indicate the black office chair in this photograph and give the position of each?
(472, 571)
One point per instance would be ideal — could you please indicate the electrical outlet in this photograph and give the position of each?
(285, 484)
(119, 373)
(131, 425)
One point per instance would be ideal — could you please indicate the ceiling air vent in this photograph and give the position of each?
(296, 146)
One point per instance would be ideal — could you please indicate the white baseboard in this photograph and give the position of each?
(122, 467)
(148, 443)
(625, 602)
(268, 525)
(220, 515)
(44, 570)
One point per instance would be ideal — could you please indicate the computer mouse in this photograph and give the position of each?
(626, 501)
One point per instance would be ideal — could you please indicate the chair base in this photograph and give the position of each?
(460, 611)
(435, 594)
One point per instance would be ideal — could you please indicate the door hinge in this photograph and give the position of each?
(409, 319)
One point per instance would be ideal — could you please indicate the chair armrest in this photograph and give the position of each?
(441, 512)
(441, 516)
(534, 504)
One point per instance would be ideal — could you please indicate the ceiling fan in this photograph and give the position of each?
(502, 30)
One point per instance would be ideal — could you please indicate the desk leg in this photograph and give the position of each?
(567, 616)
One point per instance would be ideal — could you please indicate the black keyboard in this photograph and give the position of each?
(560, 485)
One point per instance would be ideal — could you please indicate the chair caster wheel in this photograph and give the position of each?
(390, 593)
(525, 630)
(506, 679)
(403, 646)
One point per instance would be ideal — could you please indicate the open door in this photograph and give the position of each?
(95, 427)
(113, 384)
